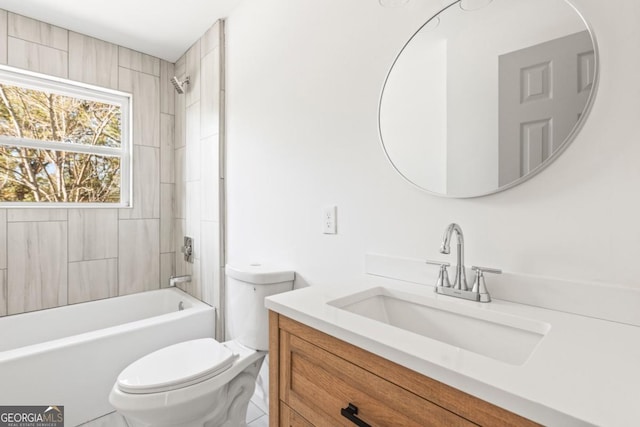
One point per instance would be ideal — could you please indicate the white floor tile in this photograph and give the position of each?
(111, 420)
(255, 418)
(263, 421)
(253, 413)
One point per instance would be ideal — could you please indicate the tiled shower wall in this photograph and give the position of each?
(53, 257)
(198, 172)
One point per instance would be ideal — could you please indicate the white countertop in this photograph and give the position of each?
(584, 371)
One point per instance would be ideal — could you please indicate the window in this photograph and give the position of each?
(62, 142)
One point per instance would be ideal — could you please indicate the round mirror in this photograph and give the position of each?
(486, 94)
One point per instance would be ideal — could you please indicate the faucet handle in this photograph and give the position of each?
(479, 285)
(486, 270)
(439, 263)
(443, 276)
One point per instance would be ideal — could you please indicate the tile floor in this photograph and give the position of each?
(255, 418)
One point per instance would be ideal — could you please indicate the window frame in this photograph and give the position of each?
(37, 81)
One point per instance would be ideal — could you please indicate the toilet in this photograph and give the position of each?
(204, 382)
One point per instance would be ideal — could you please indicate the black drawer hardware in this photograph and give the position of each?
(350, 413)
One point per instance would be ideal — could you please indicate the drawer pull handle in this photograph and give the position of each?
(350, 413)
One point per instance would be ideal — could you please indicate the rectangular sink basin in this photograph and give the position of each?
(504, 337)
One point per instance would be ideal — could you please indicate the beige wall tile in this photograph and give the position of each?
(93, 234)
(167, 91)
(3, 238)
(210, 40)
(93, 61)
(166, 217)
(210, 180)
(146, 184)
(193, 215)
(180, 118)
(192, 171)
(210, 262)
(139, 250)
(167, 131)
(193, 71)
(139, 61)
(37, 32)
(210, 94)
(193, 160)
(197, 166)
(180, 67)
(182, 266)
(167, 268)
(145, 89)
(181, 183)
(37, 265)
(36, 215)
(3, 292)
(92, 280)
(194, 288)
(38, 58)
(3, 36)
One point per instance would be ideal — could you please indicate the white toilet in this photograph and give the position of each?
(203, 382)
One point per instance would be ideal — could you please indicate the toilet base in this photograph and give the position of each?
(225, 407)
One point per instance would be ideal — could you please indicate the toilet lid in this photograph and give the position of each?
(176, 366)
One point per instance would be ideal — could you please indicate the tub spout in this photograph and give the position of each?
(179, 279)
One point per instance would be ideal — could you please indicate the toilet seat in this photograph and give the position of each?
(176, 366)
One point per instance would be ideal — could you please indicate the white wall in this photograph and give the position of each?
(303, 85)
(413, 122)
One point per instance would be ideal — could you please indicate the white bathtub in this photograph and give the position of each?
(72, 355)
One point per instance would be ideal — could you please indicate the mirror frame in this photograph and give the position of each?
(567, 141)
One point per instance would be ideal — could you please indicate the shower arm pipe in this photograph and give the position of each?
(180, 85)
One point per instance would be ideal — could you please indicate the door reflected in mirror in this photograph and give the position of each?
(486, 94)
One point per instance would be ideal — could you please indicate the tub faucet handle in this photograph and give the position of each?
(187, 249)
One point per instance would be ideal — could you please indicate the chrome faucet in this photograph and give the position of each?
(174, 280)
(460, 279)
(459, 288)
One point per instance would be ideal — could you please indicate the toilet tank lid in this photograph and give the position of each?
(259, 274)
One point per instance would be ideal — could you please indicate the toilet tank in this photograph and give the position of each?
(247, 319)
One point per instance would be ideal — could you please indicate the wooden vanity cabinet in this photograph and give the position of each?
(315, 378)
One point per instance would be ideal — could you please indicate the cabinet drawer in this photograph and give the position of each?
(290, 418)
(318, 384)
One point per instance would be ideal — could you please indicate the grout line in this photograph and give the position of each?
(118, 253)
(222, 187)
(39, 44)
(6, 41)
(68, 262)
(6, 258)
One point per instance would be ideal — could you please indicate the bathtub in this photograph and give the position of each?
(72, 355)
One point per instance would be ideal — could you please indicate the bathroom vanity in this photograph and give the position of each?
(386, 353)
(322, 381)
